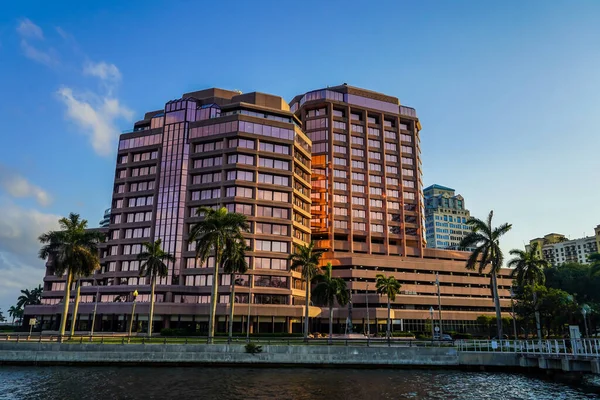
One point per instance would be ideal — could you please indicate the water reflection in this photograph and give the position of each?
(273, 384)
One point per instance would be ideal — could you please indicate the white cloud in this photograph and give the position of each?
(28, 29)
(19, 263)
(49, 58)
(102, 70)
(17, 186)
(97, 116)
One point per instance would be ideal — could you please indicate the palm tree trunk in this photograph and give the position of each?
(306, 310)
(214, 294)
(330, 322)
(76, 306)
(151, 316)
(63, 321)
(497, 305)
(231, 305)
(389, 320)
(537, 316)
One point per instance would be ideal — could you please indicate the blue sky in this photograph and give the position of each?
(508, 94)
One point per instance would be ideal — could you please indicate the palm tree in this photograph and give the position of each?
(485, 239)
(211, 234)
(328, 291)
(74, 251)
(594, 259)
(306, 260)
(153, 261)
(529, 270)
(15, 312)
(390, 287)
(30, 297)
(234, 262)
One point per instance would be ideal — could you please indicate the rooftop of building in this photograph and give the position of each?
(439, 187)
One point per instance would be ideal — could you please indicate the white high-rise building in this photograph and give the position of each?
(445, 217)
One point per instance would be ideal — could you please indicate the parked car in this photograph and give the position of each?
(445, 337)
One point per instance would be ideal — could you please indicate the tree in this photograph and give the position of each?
(528, 269)
(30, 297)
(2, 319)
(74, 251)
(389, 287)
(306, 260)
(594, 259)
(234, 262)
(485, 239)
(328, 291)
(211, 235)
(15, 312)
(153, 262)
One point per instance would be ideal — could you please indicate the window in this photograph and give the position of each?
(359, 226)
(243, 143)
(316, 123)
(374, 179)
(408, 172)
(391, 146)
(339, 125)
(358, 140)
(358, 128)
(238, 191)
(388, 123)
(270, 299)
(358, 152)
(392, 181)
(316, 112)
(271, 281)
(338, 198)
(269, 245)
(355, 116)
(340, 186)
(272, 229)
(122, 173)
(374, 132)
(358, 188)
(391, 158)
(394, 205)
(376, 203)
(372, 120)
(339, 161)
(337, 224)
(274, 212)
(375, 167)
(377, 228)
(393, 193)
(405, 138)
(375, 155)
(339, 149)
(361, 201)
(376, 191)
(318, 135)
(123, 160)
(120, 188)
(390, 135)
(340, 211)
(376, 215)
(245, 209)
(240, 175)
(274, 179)
(206, 194)
(273, 196)
(409, 195)
(208, 162)
(374, 143)
(358, 176)
(273, 163)
(410, 184)
(338, 113)
(391, 170)
(408, 161)
(338, 173)
(204, 147)
(358, 164)
(359, 213)
(340, 137)
(270, 263)
(240, 159)
(407, 149)
(274, 148)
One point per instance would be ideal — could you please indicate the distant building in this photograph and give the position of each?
(105, 221)
(445, 217)
(557, 249)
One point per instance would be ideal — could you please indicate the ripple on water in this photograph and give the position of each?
(103, 383)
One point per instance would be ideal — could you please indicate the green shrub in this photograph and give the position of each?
(253, 348)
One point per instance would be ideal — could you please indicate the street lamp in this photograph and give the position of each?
(584, 310)
(512, 306)
(437, 283)
(431, 315)
(368, 319)
(135, 295)
(248, 320)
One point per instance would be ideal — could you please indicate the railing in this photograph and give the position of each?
(549, 347)
(270, 340)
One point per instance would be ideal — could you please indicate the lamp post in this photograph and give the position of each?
(248, 320)
(368, 319)
(134, 294)
(95, 309)
(584, 311)
(512, 306)
(437, 283)
(431, 315)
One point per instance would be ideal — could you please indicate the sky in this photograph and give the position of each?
(507, 92)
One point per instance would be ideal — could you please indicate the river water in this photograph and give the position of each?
(107, 383)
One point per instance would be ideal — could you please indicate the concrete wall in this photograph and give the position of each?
(54, 353)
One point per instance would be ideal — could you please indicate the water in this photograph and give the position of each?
(162, 383)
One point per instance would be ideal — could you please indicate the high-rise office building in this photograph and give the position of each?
(445, 217)
(105, 221)
(250, 154)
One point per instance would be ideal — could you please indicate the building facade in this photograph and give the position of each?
(445, 217)
(340, 166)
(557, 249)
(105, 221)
